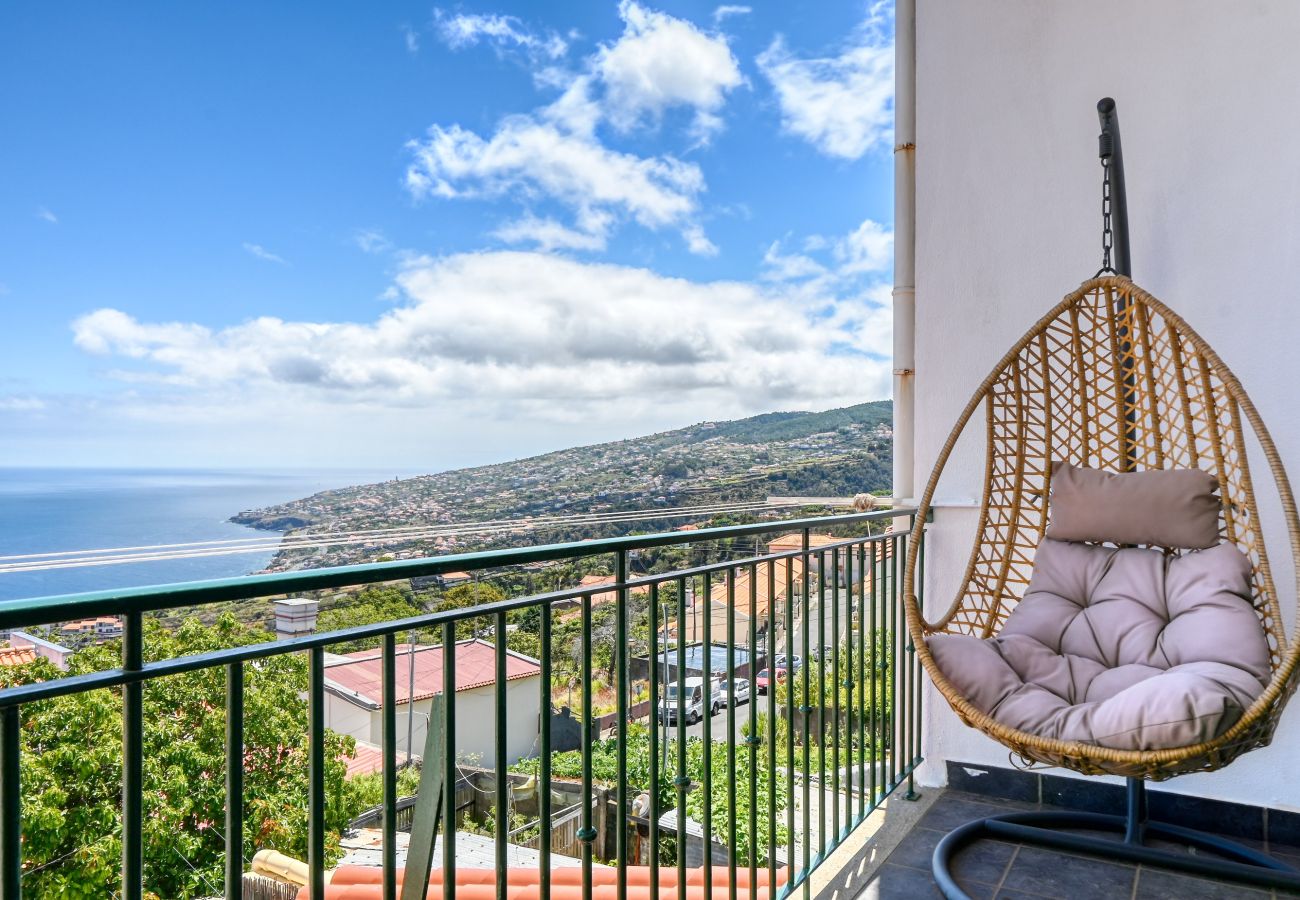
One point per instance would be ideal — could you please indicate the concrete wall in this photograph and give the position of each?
(1008, 221)
(475, 722)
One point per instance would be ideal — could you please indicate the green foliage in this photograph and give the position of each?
(367, 791)
(604, 769)
(72, 769)
(371, 606)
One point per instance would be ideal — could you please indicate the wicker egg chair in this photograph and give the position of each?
(1110, 378)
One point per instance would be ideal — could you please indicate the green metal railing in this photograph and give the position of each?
(855, 703)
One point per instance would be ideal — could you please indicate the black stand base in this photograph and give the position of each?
(1231, 861)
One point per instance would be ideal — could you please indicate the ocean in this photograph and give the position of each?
(51, 510)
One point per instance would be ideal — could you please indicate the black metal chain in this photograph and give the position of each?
(1107, 236)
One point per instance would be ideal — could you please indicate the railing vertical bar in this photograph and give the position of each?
(770, 734)
(389, 741)
(451, 774)
(133, 760)
(788, 681)
(316, 773)
(544, 776)
(876, 693)
(683, 782)
(864, 698)
(849, 684)
(502, 814)
(235, 781)
(732, 574)
(588, 833)
(895, 663)
(620, 706)
(807, 707)
(835, 696)
(11, 803)
(916, 674)
(657, 714)
(821, 703)
(706, 602)
(752, 741)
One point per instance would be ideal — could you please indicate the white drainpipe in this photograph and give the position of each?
(904, 249)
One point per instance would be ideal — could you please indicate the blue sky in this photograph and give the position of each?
(418, 236)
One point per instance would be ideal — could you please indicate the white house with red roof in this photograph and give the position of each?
(354, 698)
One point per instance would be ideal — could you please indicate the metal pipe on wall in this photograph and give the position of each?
(904, 248)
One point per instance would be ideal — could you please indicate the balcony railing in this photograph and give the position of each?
(826, 744)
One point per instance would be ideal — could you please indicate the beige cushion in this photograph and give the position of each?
(1125, 648)
(1176, 508)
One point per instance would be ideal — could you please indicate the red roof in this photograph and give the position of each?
(365, 759)
(475, 667)
(17, 656)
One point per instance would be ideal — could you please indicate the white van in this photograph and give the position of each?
(692, 705)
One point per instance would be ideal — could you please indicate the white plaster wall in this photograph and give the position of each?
(476, 723)
(1008, 221)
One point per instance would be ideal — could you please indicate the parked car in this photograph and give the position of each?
(788, 662)
(820, 653)
(740, 687)
(689, 695)
(768, 677)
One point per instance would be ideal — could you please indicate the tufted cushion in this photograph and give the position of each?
(1124, 648)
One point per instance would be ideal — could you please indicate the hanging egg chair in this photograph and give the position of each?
(1118, 612)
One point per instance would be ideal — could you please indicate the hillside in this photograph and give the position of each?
(837, 452)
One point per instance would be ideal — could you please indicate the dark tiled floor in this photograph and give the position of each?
(993, 869)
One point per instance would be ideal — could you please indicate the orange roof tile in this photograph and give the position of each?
(17, 656)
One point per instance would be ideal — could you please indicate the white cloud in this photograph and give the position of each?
(21, 403)
(531, 159)
(852, 259)
(502, 32)
(262, 253)
(723, 12)
(555, 154)
(372, 240)
(535, 335)
(46, 215)
(868, 248)
(548, 234)
(412, 38)
(842, 105)
(661, 62)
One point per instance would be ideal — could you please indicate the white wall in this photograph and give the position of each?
(1008, 222)
(475, 722)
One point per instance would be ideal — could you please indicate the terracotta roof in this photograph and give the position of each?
(795, 542)
(607, 596)
(17, 656)
(365, 759)
(363, 883)
(719, 593)
(475, 667)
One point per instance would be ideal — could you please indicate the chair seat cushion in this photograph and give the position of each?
(1125, 648)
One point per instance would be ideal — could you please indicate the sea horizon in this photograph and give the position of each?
(52, 509)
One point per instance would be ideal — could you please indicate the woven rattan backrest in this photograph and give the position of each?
(1110, 379)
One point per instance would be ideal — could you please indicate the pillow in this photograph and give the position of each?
(1174, 508)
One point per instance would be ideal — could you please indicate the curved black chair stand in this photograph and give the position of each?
(1230, 861)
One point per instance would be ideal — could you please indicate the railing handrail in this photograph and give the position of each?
(46, 610)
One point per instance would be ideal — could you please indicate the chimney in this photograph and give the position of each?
(294, 618)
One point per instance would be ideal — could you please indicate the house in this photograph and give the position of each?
(354, 698)
(100, 628)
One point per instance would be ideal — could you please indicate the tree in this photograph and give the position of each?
(371, 606)
(72, 769)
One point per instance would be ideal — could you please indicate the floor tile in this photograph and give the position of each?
(984, 861)
(952, 810)
(900, 883)
(1157, 884)
(1051, 874)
